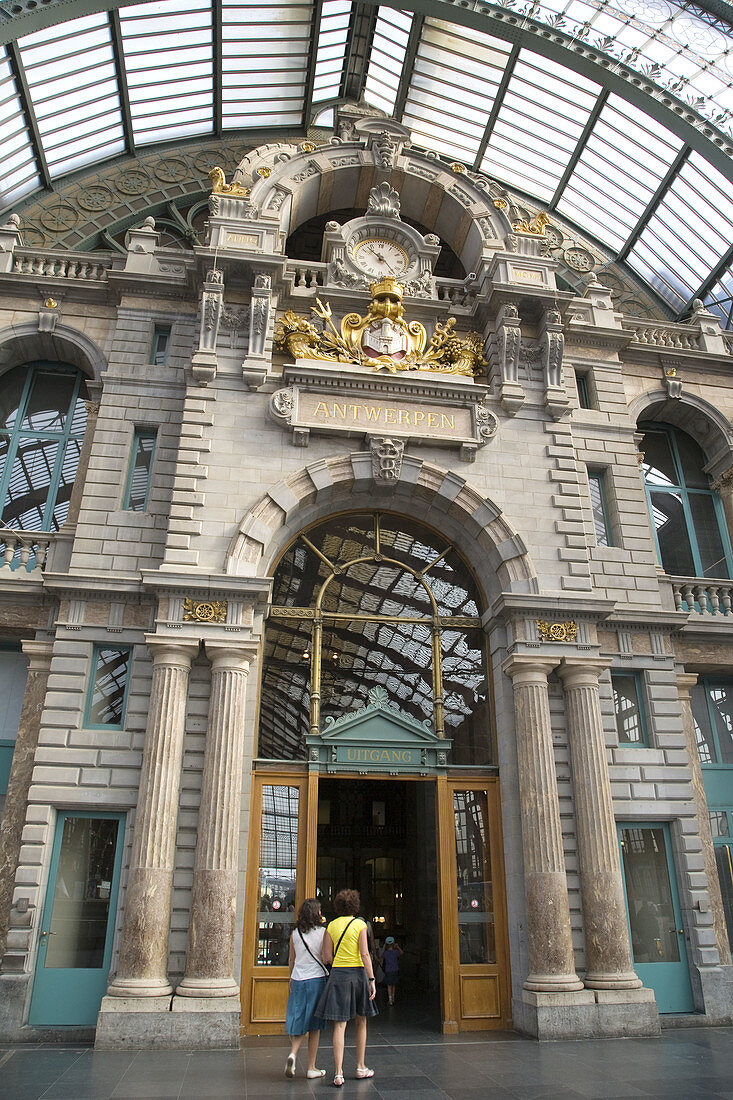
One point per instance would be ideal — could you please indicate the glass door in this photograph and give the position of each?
(75, 948)
(655, 923)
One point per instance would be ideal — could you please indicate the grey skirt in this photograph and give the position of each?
(346, 995)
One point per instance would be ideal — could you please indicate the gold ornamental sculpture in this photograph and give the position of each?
(383, 339)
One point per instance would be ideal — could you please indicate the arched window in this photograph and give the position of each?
(687, 516)
(374, 600)
(42, 422)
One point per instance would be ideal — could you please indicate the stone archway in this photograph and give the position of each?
(694, 416)
(438, 497)
(27, 343)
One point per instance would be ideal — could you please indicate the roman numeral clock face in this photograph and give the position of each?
(377, 256)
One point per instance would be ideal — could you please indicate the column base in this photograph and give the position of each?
(207, 987)
(629, 980)
(154, 1024)
(588, 1014)
(553, 983)
(140, 987)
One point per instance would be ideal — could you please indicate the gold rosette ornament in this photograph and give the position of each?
(382, 339)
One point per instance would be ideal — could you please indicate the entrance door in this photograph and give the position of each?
(75, 948)
(657, 935)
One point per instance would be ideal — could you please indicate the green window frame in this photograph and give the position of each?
(40, 445)
(712, 711)
(629, 707)
(108, 688)
(687, 546)
(140, 470)
(721, 826)
(160, 345)
(599, 505)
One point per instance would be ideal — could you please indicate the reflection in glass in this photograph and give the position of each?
(724, 860)
(721, 699)
(674, 541)
(77, 931)
(107, 703)
(476, 939)
(627, 706)
(276, 882)
(649, 893)
(712, 711)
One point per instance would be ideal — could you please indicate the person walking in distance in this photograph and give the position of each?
(307, 980)
(350, 989)
(391, 966)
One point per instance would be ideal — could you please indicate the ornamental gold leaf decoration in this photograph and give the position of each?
(221, 187)
(383, 339)
(557, 632)
(536, 226)
(204, 611)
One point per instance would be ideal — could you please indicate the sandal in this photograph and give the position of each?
(362, 1074)
(338, 1080)
(312, 1074)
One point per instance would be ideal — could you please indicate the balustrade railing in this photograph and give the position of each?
(23, 552)
(660, 335)
(88, 266)
(307, 276)
(702, 597)
(454, 291)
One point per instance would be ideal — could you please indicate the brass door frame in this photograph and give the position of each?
(264, 989)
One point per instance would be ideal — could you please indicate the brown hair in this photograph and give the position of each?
(309, 915)
(347, 903)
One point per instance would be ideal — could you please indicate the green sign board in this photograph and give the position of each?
(376, 754)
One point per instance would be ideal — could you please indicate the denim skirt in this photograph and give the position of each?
(300, 1016)
(346, 995)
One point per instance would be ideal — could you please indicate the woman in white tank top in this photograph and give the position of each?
(307, 979)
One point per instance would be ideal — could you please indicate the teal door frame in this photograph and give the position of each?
(66, 995)
(670, 981)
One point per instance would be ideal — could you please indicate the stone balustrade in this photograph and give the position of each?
(660, 335)
(306, 276)
(23, 552)
(88, 266)
(702, 597)
(454, 292)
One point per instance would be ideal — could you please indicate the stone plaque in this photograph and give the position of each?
(375, 754)
(363, 414)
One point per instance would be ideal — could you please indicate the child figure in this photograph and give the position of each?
(391, 966)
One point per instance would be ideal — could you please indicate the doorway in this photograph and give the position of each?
(377, 836)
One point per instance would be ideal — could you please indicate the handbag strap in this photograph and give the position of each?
(305, 945)
(342, 936)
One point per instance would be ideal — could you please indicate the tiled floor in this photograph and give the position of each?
(411, 1060)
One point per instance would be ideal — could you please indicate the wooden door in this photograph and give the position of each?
(475, 985)
(281, 873)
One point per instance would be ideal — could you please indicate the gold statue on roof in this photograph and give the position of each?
(382, 339)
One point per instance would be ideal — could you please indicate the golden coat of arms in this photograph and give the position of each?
(383, 339)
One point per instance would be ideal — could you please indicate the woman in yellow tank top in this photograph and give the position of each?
(350, 990)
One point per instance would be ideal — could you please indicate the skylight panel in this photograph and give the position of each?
(455, 79)
(391, 35)
(18, 173)
(688, 233)
(623, 163)
(168, 55)
(720, 299)
(73, 87)
(265, 49)
(331, 49)
(540, 121)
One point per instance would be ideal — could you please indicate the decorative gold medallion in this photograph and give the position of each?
(307, 147)
(458, 168)
(557, 632)
(383, 339)
(206, 611)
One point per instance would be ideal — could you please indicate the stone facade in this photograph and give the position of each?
(233, 483)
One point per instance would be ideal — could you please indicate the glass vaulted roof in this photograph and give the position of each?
(616, 114)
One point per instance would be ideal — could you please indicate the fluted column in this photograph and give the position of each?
(210, 959)
(551, 962)
(142, 969)
(609, 962)
(685, 682)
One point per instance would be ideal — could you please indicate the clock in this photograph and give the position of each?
(378, 256)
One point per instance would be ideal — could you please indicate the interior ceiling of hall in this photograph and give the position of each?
(613, 115)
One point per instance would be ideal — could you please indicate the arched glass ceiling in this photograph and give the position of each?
(614, 113)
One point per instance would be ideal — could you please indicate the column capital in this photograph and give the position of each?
(230, 655)
(686, 681)
(526, 668)
(581, 671)
(164, 651)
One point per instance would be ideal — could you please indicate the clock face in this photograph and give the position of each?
(377, 256)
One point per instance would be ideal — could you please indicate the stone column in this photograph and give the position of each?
(685, 682)
(210, 960)
(551, 962)
(21, 772)
(143, 964)
(609, 962)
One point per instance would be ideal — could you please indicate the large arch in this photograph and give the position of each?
(27, 343)
(435, 496)
(694, 416)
